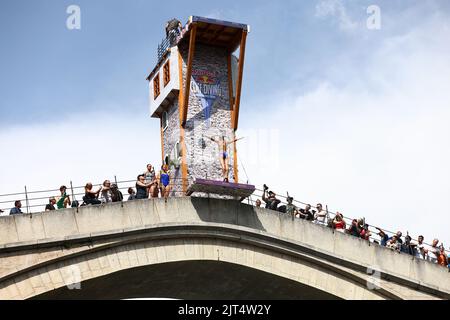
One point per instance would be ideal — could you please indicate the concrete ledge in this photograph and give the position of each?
(109, 222)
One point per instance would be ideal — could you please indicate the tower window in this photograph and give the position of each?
(166, 74)
(156, 87)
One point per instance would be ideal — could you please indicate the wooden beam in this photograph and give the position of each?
(239, 81)
(230, 84)
(189, 74)
(217, 34)
(162, 140)
(184, 177)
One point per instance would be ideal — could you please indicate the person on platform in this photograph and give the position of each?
(173, 30)
(306, 213)
(442, 258)
(433, 252)
(51, 204)
(291, 209)
(270, 198)
(116, 194)
(16, 209)
(90, 196)
(223, 154)
(141, 187)
(339, 223)
(106, 192)
(132, 194)
(64, 200)
(321, 216)
(258, 203)
(164, 180)
(152, 181)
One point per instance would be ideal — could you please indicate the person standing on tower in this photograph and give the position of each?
(173, 29)
(223, 155)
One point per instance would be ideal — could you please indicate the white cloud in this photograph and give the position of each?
(84, 148)
(335, 8)
(376, 146)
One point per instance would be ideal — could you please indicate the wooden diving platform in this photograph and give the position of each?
(237, 190)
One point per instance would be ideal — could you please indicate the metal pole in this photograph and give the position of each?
(73, 194)
(26, 199)
(118, 190)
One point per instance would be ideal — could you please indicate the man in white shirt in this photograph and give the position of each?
(321, 216)
(433, 252)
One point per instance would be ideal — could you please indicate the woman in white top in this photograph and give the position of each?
(150, 179)
(106, 192)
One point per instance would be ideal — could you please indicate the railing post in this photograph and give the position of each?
(27, 204)
(73, 195)
(118, 190)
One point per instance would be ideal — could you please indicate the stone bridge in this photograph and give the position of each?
(199, 248)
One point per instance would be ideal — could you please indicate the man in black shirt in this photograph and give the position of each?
(306, 213)
(271, 201)
(51, 205)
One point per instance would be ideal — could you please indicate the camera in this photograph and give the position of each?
(266, 188)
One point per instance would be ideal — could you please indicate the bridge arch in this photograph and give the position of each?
(240, 255)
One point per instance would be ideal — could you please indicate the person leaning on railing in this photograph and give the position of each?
(338, 222)
(271, 201)
(16, 209)
(91, 197)
(51, 204)
(64, 199)
(141, 187)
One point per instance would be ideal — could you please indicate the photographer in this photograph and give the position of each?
(306, 213)
(271, 201)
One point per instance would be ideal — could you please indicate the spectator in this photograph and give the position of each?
(399, 237)
(271, 201)
(448, 259)
(306, 213)
(91, 197)
(172, 25)
(151, 181)
(51, 205)
(384, 237)
(64, 199)
(141, 187)
(409, 247)
(339, 223)
(258, 203)
(433, 252)
(116, 194)
(16, 209)
(321, 216)
(164, 181)
(393, 243)
(442, 257)
(420, 248)
(132, 194)
(106, 192)
(365, 232)
(291, 209)
(354, 229)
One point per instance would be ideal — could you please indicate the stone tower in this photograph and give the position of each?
(195, 91)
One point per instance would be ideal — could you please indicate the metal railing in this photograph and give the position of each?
(331, 215)
(167, 43)
(39, 199)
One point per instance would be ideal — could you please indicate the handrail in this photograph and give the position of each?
(346, 219)
(31, 202)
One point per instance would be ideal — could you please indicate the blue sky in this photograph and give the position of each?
(358, 117)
